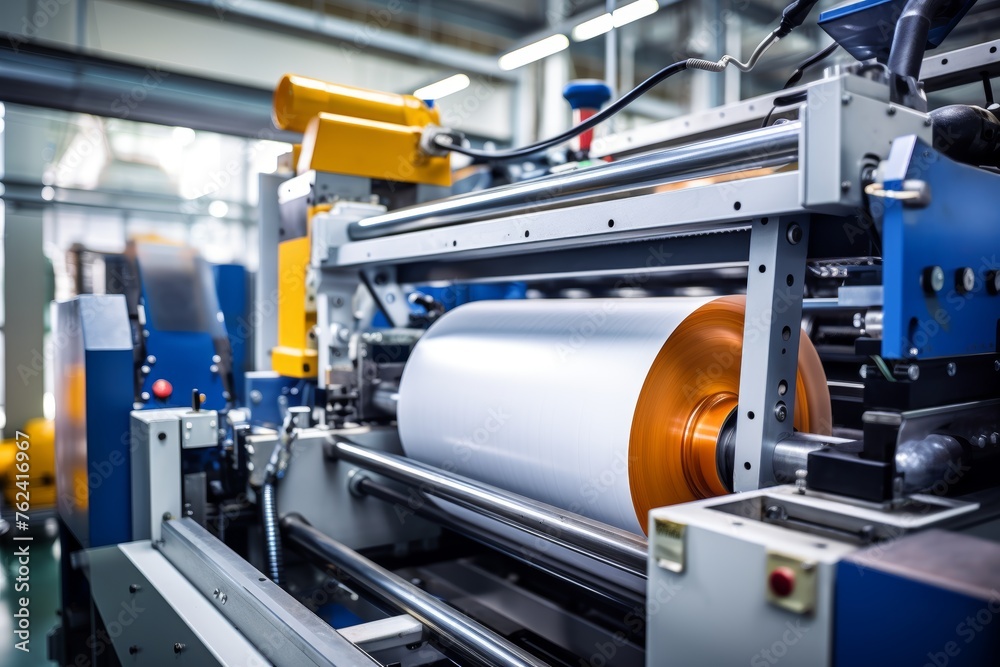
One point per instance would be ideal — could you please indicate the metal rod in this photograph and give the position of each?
(594, 539)
(742, 150)
(792, 453)
(419, 505)
(922, 462)
(462, 633)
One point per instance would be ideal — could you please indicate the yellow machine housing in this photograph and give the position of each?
(296, 356)
(352, 132)
(299, 99)
(370, 148)
(40, 483)
(358, 132)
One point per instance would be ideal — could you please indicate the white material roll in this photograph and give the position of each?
(538, 397)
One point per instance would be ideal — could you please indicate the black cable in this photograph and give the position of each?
(815, 58)
(792, 17)
(796, 76)
(988, 89)
(593, 121)
(784, 101)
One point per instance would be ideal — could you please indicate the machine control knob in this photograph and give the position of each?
(162, 389)
(782, 582)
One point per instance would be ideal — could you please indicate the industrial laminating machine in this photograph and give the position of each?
(608, 416)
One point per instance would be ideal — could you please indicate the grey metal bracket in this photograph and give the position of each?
(382, 284)
(285, 631)
(770, 345)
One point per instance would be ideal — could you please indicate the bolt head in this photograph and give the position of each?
(913, 351)
(863, 371)
(144, 396)
(951, 368)
(913, 372)
(780, 411)
(932, 279)
(845, 98)
(794, 234)
(145, 370)
(891, 110)
(993, 282)
(213, 368)
(965, 280)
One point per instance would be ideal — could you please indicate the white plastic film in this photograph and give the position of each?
(538, 396)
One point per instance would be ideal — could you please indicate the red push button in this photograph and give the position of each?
(162, 389)
(782, 582)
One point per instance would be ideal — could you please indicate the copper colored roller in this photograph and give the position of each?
(689, 392)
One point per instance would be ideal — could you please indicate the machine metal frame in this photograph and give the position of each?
(558, 227)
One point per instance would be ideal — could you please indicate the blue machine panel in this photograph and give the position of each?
(93, 361)
(267, 393)
(231, 289)
(865, 29)
(959, 228)
(184, 327)
(930, 599)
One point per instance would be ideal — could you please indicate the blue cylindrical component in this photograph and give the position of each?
(587, 93)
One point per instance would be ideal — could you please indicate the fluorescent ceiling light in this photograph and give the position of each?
(436, 91)
(592, 28)
(621, 16)
(634, 11)
(532, 52)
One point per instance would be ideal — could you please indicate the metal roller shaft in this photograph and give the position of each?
(367, 486)
(754, 148)
(922, 463)
(604, 543)
(459, 631)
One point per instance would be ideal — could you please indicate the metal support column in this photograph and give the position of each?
(335, 315)
(265, 315)
(25, 281)
(770, 345)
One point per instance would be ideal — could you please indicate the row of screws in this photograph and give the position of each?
(932, 280)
